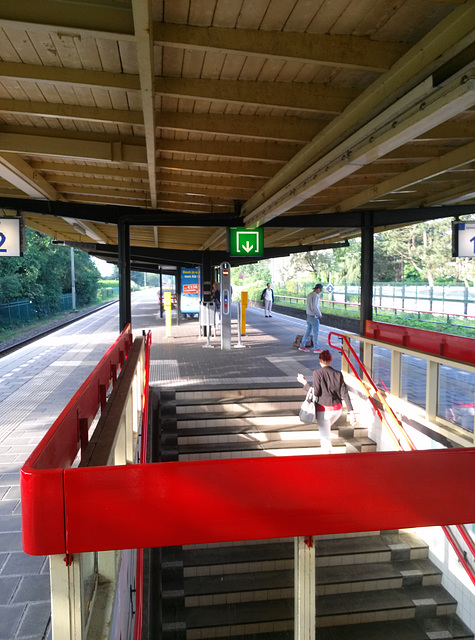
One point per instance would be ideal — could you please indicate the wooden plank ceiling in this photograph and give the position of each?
(268, 108)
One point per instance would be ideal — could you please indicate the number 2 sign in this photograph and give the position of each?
(11, 236)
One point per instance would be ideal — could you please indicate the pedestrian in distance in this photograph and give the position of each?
(313, 319)
(268, 298)
(216, 299)
(329, 390)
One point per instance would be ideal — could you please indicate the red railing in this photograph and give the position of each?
(377, 392)
(42, 473)
(460, 528)
(439, 344)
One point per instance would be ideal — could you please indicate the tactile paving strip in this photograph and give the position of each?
(164, 370)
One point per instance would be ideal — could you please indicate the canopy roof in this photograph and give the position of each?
(201, 114)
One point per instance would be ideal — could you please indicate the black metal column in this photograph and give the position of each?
(207, 276)
(125, 306)
(367, 261)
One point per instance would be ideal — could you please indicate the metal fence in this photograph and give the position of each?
(441, 299)
(25, 311)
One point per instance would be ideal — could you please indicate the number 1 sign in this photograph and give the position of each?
(463, 240)
(11, 237)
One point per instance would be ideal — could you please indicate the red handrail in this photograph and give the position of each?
(375, 389)
(460, 527)
(143, 459)
(459, 553)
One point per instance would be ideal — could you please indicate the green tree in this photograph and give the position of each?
(43, 273)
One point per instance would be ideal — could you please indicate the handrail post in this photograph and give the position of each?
(304, 585)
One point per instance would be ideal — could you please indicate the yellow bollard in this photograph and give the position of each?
(243, 312)
(168, 313)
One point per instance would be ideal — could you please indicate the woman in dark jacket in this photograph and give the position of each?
(330, 389)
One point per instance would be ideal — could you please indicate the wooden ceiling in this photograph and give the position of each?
(201, 110)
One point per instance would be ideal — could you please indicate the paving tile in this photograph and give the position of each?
(32, 589)
(20, 563)
(10, 523)
(10, 541)
(10, 617)
(35, 621)
(9, 479)
(8, 587)
(8, 506)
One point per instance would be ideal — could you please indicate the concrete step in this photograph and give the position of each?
(222, 619)
(449, 626)
(387, 547)
(251, 585)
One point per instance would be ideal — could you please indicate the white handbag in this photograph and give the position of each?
(307, 410)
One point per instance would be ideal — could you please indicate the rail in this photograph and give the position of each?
(377, 392)
(83, 585)
(462, 530)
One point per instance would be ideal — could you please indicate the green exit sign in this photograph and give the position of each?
(244, 243)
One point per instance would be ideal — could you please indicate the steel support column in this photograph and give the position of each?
(207, 275)
(304, 584)
(125, 306)
(367, 261)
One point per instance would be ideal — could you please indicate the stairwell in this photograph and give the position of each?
(369, 586)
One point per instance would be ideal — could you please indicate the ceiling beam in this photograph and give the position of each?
(70, 112)
(61, 76)
(350, 52)
(314, 98)
(114, 20)
(73, 19)
(88, 147)
(19, 173)
(143, 25)
(280, 128)
(460, 156)
(255, 171)
(388, 131)
(78, 148)
(396, 91)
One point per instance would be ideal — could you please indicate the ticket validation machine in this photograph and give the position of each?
(225, 273)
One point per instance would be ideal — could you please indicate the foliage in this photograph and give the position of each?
(44, 273)
(248, 274)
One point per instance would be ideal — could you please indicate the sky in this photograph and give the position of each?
(104, 267)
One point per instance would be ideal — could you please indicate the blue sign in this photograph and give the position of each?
(190, 290)
(330, 288)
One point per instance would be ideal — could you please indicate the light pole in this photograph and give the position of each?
(73, 281)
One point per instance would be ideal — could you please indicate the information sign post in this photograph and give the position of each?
(225, 279)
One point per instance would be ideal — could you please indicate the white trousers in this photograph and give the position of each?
(267, 306)
(325, 419)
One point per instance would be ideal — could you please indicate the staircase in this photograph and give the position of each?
(370, 586)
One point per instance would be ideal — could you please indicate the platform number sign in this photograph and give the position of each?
(11, 237)
(246, 243)
(463, 240)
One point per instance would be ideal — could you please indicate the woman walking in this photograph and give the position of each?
(329, 389)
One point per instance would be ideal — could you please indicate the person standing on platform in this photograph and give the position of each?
(313, 319)
(329, 390)
(216, 298)
(268, 297)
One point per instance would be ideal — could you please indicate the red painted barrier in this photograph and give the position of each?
(439, 344)
(179, 503)
(42, 473)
